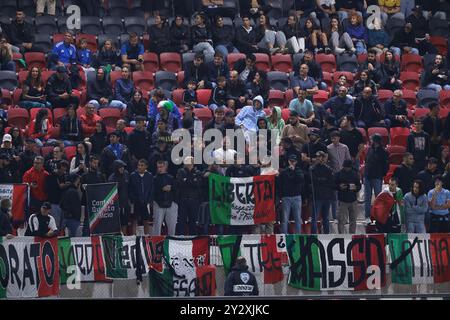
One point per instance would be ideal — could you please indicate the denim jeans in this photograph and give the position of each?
(27, 104)
(397, 51)
(223, 49)
(415, 227)
(57, 215)
(369, 185)
(73, 226)
(438, 88)
(360, 47)
(8, 66)
(322, 207)
(187, 215)
(204, 47)
(294, 205)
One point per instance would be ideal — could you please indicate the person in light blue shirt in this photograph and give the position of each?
(303, 106)
(416, 207)
(247, 118)
(439, 200)
(64, 51)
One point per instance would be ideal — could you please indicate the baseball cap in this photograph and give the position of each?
(7, 137)
(293, 157)
(320, 154)
(46, 205)
(313, 132)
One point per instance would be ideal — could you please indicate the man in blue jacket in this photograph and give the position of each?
(141, 195)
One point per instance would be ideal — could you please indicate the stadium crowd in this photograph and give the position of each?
(355, 101)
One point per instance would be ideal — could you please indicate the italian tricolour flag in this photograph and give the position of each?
(18, 194)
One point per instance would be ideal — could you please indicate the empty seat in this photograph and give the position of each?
(326, 61)
(134, 24)
(117, 8)
(278, 80)
(384, 95)
(399, 136)
(112, 25)
(170, 61)
(383, 132)
(420, 113)
(411, 62)
(17, 95)
(203, 114)
(427, 96)
(46, 25)
(43, 41)
(91, 25)
(203, 96)
(276, 98)
(428, 60)
(288, 96)
(444, 98)
(262, 62)
(8, 80)
(110, 116)
(7, 97)
(18, 117)
(233, 57)
(165, 80)
(143, 80)
(320, 97)
(9, 8)
(35, 59)
(282, 62)
(151, 62)
(364, 134)
(440, 43)
(285, 114)
(113, 76)
(410, 80)
(347, 62)
(70, 152)
(439, 27)
(177, 96)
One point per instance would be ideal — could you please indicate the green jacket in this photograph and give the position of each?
(279, 125)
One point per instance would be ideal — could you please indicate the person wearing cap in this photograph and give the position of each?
(347, 184)
(114, 151)
(291, 183)
(59, 89)
(122, 178)
(249, 115)
(314, 145)
(42, 224)
(428, 175)
(7, 146)
(375, 168)
(240, 281)
(323, 192)
(418, 143)
(189, 183)
(71, 206)
(198, 72)
(439, 204)
(296, 131)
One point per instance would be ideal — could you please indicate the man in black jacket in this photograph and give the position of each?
(405, 173)
(56, 185)
(141, 195)
(139, 141)
(197, 71)
(223, 37)
(432, 125)
(348, 185)
(189, 183)
(428, 174)
(99, 91)
(248, 37)
(314, 145)
(71, 130)
(236, 93)
(290, 186)
(396, 112)
(418, 144)
(323, 192)
(122, 178)
(246, 68)
(21, 34)
(6, 229)
(240, 281)
(59, 89)
(375, 169)
(71, 206)
(165, 208)
(368, 111)
(372, 65)
(114, 151)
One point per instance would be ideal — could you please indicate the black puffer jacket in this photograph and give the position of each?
(241, 282)
(200, 34)
(377, 164)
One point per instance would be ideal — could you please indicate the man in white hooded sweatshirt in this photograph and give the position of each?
(247, 118)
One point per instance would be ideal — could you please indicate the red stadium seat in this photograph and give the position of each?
(276, 98)
(18, 117)
(35, 59)
(282, 62)
(7, 97)
(90, 38)
(233, 57)
(395, 153)
(114, 75)
(58, 114)
(419, 113)
(399, 136)
(411, 62)
(22, 76)
(203, 96)
(17, 95)
(55, 133)
(180, 79)
(383, 132)
(444, 98)
(288, 96)
(384, 95)
(47, 150)
(285, 114)
(70, 152)
(262, 62)
(151, 62)
(177, 96)
(110, 116)
(327, 62)
(46, 74)
(410, 80)
(364, 134)
(349, 75)
(81, 111)
(57, 37)
(328, 79)
(320, 97)
(410, 97)
(203, 114)
(34, 112)
(390, 172)
(170, 61)
(440, 43)
(443, 112)
(16, 56)
(143, 80)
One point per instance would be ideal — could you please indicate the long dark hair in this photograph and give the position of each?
(38, 80)
(421, 188)
(39, 119)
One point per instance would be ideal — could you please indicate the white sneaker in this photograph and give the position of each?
(339, 50)
(368, 221)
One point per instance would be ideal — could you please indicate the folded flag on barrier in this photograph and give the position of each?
(18, 194)
(241, 201)
(81, 259)
(336, 262)
(186, 270)
(419, 258)
(119, 253)
(264, 254)
(29, 267)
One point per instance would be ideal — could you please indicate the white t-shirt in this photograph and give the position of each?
(221, 155)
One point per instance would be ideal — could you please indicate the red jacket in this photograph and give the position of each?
(88, 123)
(39, 177)
(40, 135)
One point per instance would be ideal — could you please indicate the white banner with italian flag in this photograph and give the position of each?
(19, 195)
(29, 267)
(242, 201)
